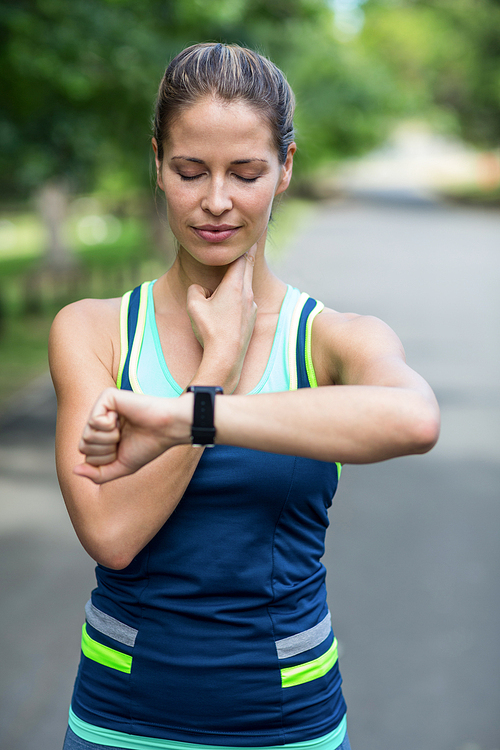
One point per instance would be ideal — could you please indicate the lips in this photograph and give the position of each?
(215, 232)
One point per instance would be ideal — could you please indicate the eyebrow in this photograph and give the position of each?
(200, 161)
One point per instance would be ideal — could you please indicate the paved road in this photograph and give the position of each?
(413, 549)
(413, 553)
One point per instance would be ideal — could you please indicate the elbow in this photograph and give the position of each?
(109, 552)
(112, 538)
(425, 430)
(109, 558)
(115, 562)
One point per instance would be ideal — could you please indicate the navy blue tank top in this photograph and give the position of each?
(219, 632)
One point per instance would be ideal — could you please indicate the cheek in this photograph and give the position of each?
(174, 219)
(259, 201)
(264, 206)
(177, 204)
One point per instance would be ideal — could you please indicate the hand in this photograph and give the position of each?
(223, 321)
(126, 430)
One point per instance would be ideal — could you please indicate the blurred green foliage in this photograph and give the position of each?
(445, 56)
(78, 81)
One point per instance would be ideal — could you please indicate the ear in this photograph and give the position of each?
(286, 170)
(158, 164)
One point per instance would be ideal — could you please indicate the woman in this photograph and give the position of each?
(209, 623)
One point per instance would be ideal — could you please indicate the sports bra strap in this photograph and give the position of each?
(300, 364)
(132, 320)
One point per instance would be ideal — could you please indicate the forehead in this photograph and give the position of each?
(211, 124)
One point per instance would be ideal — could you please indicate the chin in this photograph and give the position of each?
(215, 255)
(219, 259)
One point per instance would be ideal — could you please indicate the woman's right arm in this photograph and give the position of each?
(115, 521)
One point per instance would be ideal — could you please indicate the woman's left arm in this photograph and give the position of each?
(370, 406)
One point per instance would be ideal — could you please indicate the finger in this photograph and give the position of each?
(101, 460)
(250, 254)
(97, 449)
(91, 436)
(105, 403)
(104, 422)
(101, 474)
(234, 278)
(244, 266)
(196, 292)
(249, 265)
(88, 471)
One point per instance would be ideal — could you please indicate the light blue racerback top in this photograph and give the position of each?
(149, 373)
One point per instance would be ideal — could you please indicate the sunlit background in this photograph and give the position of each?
(393, 210)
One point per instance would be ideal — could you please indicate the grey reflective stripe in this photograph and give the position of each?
(109, 625)
(297, 644)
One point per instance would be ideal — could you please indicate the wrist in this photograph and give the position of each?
(213, 370)
(177, 425)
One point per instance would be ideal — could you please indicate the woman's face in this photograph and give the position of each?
(220, 174)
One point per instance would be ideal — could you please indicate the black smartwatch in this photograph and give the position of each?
(202, 429)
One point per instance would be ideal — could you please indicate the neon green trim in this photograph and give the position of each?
(104, 655)
(112, 738)
(311, 670)
(339, 469)
(309, 363)
(292, 341)
(138, 338)
(123, 336)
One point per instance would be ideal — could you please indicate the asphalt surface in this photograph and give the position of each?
(413, 553)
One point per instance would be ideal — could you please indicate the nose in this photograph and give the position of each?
(217, 199)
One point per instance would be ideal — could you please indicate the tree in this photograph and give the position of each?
(78, 82)
(446, 53)
(77, 86)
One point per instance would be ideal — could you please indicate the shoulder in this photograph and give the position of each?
(87, 311)
(87, 320)
(344, 342)
(84, 331)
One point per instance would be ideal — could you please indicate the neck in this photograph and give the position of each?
(186, 271)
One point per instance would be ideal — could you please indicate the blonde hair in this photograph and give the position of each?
(229, 73)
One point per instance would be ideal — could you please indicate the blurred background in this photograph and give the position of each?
(393, 211)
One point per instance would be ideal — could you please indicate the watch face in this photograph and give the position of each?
(203, 409)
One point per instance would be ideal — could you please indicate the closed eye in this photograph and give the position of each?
(246, 179)
(188, 178)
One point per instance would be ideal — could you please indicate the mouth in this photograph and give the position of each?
(215, 232)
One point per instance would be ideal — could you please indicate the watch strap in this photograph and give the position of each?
(203, 428)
